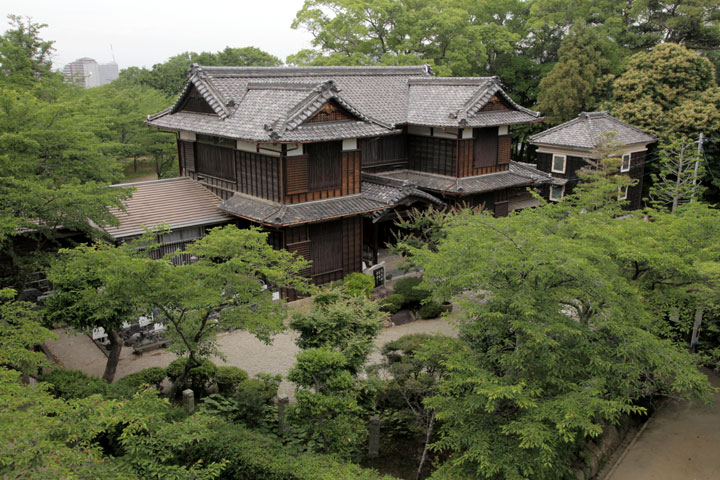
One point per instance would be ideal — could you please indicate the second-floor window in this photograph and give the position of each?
(558, 163)
(486, 147)
(324, 165)
(625, 167)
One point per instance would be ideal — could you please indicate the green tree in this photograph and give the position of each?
(558, 340)
(46, 437)
(229, 285)
(171, 75)
(336, 337)
(87, 294)
(416, 364)
(24, 56)
(680, 171)
(122, 107)
(578, 80)
(660, 90)
(20, 331)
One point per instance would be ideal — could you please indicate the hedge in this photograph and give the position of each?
(254, 456)
(70, 384)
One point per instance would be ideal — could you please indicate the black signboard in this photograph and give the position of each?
(379, 275)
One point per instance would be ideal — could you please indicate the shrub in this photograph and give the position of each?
(69, 384)
(358, 285)
(197, 379)
(392, 303)
(129, 385)
(409, 288)
(254, 456)
(430, 310)
(251, 397)
(228, 378)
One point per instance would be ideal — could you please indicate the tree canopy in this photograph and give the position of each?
(563, 331)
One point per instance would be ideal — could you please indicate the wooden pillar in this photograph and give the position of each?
(375, 243)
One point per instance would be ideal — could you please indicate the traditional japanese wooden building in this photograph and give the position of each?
(320, 156)
(565, 149)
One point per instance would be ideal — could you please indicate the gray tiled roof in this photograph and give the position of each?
(457, 101)
(375, 198)
(265, 104)
(588, 130)
(519, 174)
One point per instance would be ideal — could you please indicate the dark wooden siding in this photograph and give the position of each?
(324, 165)
(327, 245)
(466, 159)
(297, 184)
(637, 173)
(486, 147)
(504, 149)
(297, 241)
(432, 155)
(296, 175)
(194, 102)
(352, 244)
(383, 153)
(335, 248)
(186, 150)
(572, 166)
(258, 175)
(218, 162)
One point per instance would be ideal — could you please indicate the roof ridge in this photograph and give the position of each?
(319, 70)
(555, 128)
(632, 127)
(449, 80)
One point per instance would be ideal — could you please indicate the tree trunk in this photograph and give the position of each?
(135, 164)
(116, 344)
(696, 329)
(428, 436)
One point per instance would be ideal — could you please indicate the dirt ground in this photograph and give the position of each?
(680, 442)
(241, 349)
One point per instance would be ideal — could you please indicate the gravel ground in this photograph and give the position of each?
(78, 352)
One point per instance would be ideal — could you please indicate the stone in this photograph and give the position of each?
(188, 400)
(403, 316)
(374, 441)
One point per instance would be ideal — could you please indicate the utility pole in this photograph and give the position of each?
(697, 164)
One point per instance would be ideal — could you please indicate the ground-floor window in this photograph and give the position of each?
(557, 192)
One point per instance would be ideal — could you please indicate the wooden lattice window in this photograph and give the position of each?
(486, 147)
(324, 165)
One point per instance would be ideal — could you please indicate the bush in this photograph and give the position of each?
(69, 384)
(393, 303)
(131, 384)
(430, 310)
(254, 456)
(228, 378)
(251, 397)
(358, 285)
(198, 377)
(409, 288)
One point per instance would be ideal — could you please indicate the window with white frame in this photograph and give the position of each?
(623, 192)
(557, 192)
(625, 167)
(558, 164)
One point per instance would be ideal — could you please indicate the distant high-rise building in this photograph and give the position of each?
(87, 73)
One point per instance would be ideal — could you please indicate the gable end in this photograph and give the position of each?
(331, 111)
(195, 102)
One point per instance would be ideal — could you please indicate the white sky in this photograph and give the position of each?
(143, 33)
